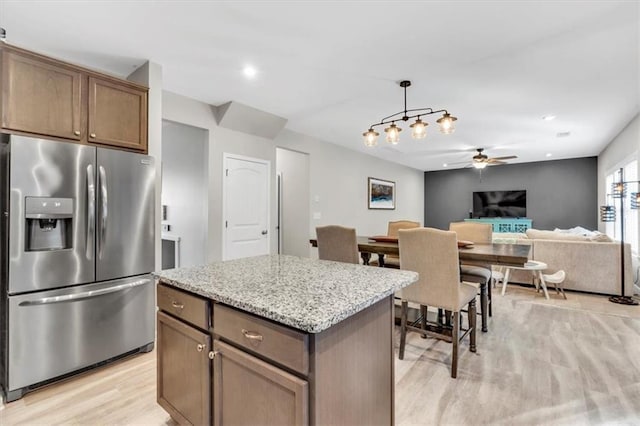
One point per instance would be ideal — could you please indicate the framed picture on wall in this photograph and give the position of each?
(382, 194)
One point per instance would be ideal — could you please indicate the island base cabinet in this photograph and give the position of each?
(184, 371)
(249, 391)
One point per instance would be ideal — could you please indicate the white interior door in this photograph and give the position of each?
(246, 207)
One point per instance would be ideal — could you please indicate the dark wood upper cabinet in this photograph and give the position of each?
(117, 114)
(41, 97)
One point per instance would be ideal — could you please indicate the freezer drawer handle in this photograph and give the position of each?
(84, 295)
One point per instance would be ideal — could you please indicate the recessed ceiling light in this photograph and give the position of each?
(548, 117)
(548, 154)
(249, 71)
(563, 134)
(444, 165)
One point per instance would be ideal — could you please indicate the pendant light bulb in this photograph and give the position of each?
(419, 129)
(370, 137)
(479, 164)
(393, 134)
(446, 123)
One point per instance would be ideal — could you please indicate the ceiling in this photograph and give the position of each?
(332, 68)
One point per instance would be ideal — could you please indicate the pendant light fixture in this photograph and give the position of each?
(418, 128)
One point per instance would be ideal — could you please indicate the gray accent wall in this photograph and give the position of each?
(560, 194)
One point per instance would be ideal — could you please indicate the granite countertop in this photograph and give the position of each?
(310, 295)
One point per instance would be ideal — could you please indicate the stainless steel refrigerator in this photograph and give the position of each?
(77, 247)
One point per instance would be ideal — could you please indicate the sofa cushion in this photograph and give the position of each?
(537, 234)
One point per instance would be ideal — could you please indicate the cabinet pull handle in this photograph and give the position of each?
(93, 135)
(200, 347)
(177, 305)
(252, 335)
(77, 132)
(213, 354)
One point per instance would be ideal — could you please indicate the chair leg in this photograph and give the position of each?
(455, 340)
(505, 280)
(484, 303)
(472, 324)
(403, 327)
(490, 301)
(423, 323)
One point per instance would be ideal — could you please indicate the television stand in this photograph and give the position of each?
(505, 224)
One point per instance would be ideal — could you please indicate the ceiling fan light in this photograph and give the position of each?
(393, 134)
(371, 137)
(419, 129)
(479, 164)
(446, 123)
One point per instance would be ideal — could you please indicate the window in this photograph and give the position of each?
(630, 216)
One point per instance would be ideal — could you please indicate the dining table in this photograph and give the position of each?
(476, 254)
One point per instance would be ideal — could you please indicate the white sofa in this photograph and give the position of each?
(591, 264)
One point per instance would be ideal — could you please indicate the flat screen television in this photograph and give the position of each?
(500, 204)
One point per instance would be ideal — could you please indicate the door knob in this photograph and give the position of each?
(265, 232)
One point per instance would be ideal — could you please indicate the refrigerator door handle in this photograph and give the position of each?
(104, 212)
(91, 212)
(84, 295)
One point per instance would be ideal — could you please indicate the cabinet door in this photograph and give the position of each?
(248, 391)
(117, 114)
(41, 97)
(184, 371)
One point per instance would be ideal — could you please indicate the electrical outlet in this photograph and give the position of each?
(317, 215)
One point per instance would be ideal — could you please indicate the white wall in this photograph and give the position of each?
(338, 175)
(339, 179)
(621, 149)
(293, 167)
(184, 188)
(150, 74)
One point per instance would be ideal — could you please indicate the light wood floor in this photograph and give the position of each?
(542, 362)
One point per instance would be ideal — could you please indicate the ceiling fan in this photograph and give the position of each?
(480, 160)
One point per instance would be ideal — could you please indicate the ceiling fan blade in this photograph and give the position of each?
(509, 157)
(493, 162)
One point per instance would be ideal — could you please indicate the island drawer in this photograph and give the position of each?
(183, 305)
(283, 345)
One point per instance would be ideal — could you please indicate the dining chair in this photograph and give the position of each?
(433, 253)
(479, 233)
(337, 243)
(390, 260)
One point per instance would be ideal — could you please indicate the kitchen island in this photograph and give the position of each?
(277, 340)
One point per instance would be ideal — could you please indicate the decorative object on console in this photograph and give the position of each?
(381, 194)
(607, 214)
(418, 129)
(502, 224)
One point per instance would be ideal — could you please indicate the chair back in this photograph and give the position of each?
(394, 227)
(433, 254)
(480, 233)
(337, 243)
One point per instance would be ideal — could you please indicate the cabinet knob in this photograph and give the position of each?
(77, 132)
(212, 354)
(93, 135)
(200, 347)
